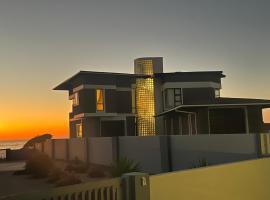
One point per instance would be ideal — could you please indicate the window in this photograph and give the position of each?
(266, 115)
(217, 93)
(100, 100)
(173, 97)
(79, 130)
(75, 100)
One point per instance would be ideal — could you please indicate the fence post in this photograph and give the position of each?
(67, 149)
(136, 186)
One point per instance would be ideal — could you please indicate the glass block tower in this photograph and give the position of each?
(145, 94)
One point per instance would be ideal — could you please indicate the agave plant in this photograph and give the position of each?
(124, 165)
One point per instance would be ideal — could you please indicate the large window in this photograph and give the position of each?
(173, 97)
(100, 100)
(75, 100)
(79, 130)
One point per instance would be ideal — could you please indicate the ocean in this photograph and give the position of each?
(14, 144)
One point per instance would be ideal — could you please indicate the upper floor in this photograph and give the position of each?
(106, 93)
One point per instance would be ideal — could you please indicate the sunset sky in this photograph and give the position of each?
(44, 42)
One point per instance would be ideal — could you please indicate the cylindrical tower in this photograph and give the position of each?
(145, 94)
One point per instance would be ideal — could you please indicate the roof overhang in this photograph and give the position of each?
(265, 105)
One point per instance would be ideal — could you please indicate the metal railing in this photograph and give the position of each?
(109, 189)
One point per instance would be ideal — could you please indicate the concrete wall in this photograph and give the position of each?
(60, 149)
(157, 154)
(247, 180)
(102, 150)
(77, 149)
(186, 151)
(147, 151)
(48, 148)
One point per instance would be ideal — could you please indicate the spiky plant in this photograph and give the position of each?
(124, 165)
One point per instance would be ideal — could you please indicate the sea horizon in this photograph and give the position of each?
(12, 144)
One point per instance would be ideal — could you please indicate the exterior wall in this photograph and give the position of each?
(102, 150)
(61, 149)
(72, 128)
(147, 151)
(255, 119)
(158, 106)
(110, 101)
(124, 102)
(91, 127)
(227, 120)
(191, 95)
(131, 126)
(247, 180)
(77, 149)
(157, 154)
(203, 121)
(192, 77)
(186, 151)
(48, 148)
(112, 128)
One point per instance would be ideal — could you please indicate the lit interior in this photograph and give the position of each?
(145, 99)
(99, 100)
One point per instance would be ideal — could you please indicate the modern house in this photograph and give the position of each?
(151, 102)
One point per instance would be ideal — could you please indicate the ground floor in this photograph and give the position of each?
(103, 126)
(184, 121)
(214, 120)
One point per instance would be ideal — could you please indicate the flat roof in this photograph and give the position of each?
(222, 102)
(64, 85)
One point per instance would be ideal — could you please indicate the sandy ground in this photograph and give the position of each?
(10, 184)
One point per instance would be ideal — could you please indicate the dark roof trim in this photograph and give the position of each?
(220, 73)
(64, 85)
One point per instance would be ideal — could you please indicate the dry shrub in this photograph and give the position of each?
(69, 179)
(55, 175)
(77, 166)
(96, 173)
(39, 165)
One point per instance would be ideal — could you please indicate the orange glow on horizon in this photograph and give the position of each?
(22, 122)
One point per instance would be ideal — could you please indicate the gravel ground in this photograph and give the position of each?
(10, 184)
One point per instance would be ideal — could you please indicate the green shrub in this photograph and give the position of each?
(96, 173)
(55, 175)
(124, 165)
(39, 165)
(69, 179)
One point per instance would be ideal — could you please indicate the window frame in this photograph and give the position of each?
(79, 130)
(103, 98)
(175, 94)
(76, 99)
(217, 93)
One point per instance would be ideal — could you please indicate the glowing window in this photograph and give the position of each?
(100, 100)
(217, 93)
(79, 130)
(266, 115)
(75, 100)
